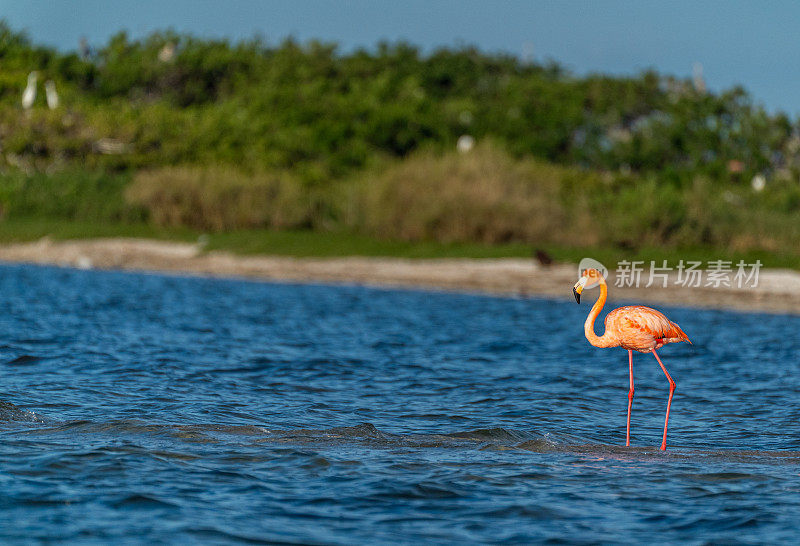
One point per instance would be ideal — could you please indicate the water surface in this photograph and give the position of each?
(152, 409)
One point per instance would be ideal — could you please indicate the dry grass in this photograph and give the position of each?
(481, 196)
(220, 198)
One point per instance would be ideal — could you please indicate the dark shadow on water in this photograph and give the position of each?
(11, 413)
(367, 435)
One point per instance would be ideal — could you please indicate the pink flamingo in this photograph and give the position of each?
(635, 328)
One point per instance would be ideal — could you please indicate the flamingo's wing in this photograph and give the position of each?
(638, 321)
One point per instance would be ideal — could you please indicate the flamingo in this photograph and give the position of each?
(635, 328)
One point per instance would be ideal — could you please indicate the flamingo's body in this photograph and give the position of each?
(635, 328)
(642, 329)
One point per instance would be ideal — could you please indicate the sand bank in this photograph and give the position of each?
(778, 291)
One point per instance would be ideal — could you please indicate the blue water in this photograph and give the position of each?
(149, 409)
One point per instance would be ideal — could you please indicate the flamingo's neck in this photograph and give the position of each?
(607, 339)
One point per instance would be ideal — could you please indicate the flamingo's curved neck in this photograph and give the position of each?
(607, 339)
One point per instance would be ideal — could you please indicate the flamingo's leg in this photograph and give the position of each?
(669, 402)
(630, 399)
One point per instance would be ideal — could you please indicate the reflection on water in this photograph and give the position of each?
(148, 408)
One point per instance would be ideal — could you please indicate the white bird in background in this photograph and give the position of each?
(759, 182)
(83, 47)
(52, 96)
(29, 95)
(465, 143)
(167, 53)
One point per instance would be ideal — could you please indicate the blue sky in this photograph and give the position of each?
(750, 43)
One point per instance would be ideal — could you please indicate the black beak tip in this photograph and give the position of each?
(577, 295)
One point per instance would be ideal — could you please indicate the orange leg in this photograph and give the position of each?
(669, 402)
(630, 399)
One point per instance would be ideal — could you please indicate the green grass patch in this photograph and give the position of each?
(310, 243)
(31, 229)
(339, 244)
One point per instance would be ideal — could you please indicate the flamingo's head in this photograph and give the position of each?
(589, 278)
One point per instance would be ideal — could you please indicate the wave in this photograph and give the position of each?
(367, 434)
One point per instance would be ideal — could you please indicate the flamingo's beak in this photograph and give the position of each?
(578, 288)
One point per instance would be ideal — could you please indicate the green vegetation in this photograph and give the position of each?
(70, 195)
(300, 149)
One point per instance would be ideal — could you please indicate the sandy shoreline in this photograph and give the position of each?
(778, 291)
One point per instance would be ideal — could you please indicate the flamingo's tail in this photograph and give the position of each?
(679, 334)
